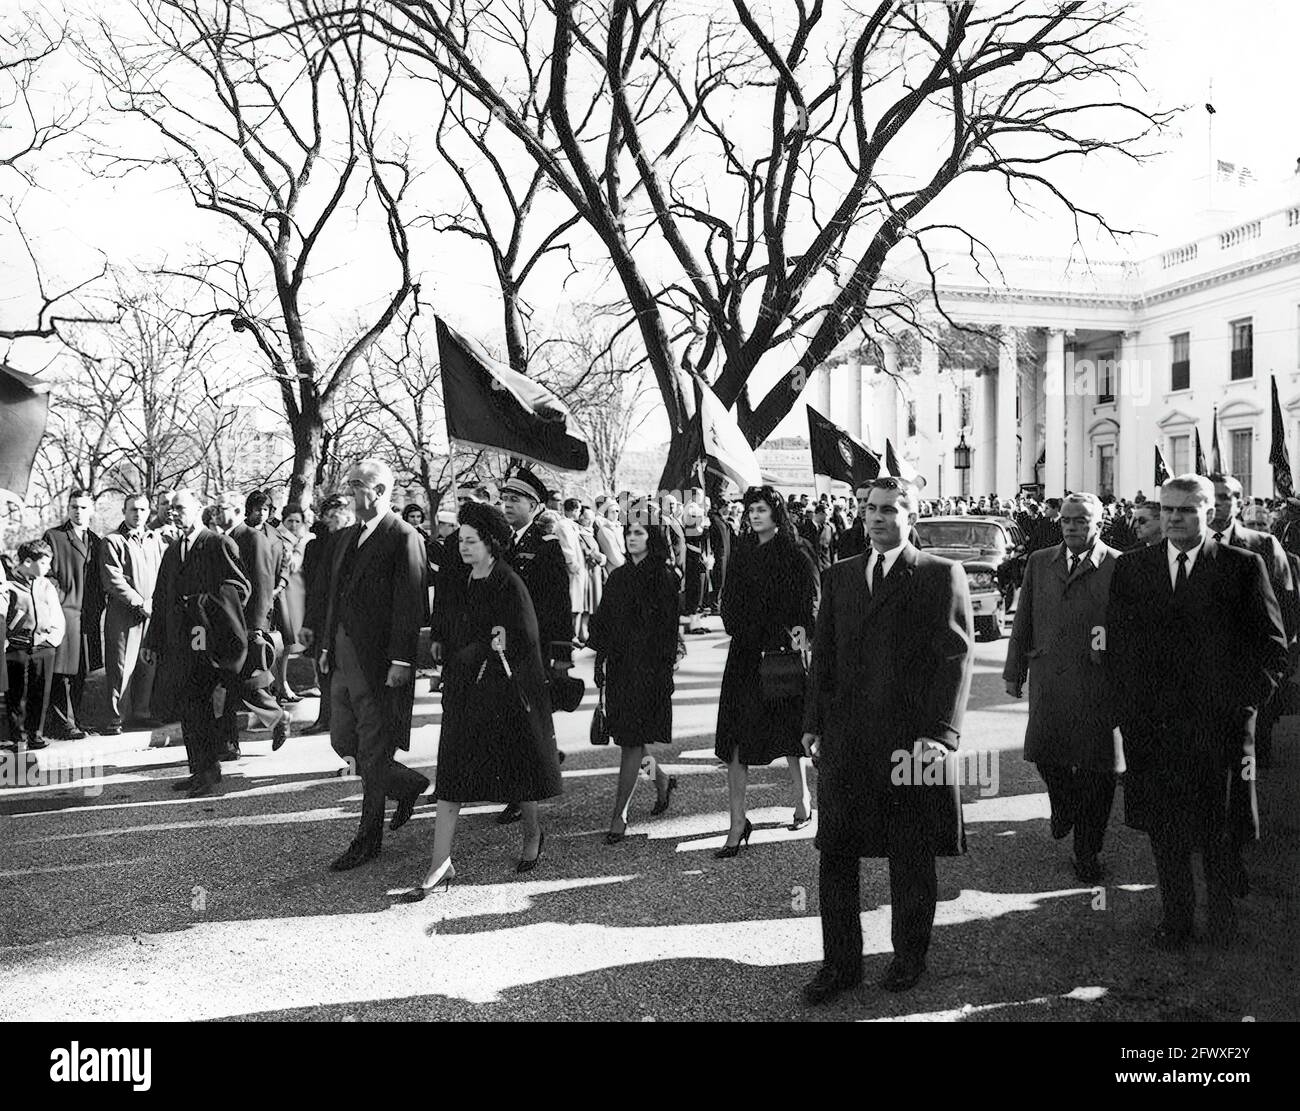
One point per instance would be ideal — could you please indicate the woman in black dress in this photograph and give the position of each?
(497, 742)
(772, 591)
(634, 635)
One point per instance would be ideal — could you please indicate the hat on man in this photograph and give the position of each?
(524, 482)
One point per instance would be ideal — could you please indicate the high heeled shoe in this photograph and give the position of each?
(529, 865)
(439, 877)
(800, 823)
(728, 851)
(662, 804)
(612, 838)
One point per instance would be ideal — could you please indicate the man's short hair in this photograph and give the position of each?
(136, 496)
(1234, 485)
(77, 492)
(1196, 484)
(333, 502)
(258, 499)
(1090, 500)
(572, 503)
(380, 471)
(34, 549)
(1054, 503)
(184, 495)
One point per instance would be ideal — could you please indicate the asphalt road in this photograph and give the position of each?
(119, 900)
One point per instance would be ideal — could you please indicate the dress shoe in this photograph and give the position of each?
(280, 733)
(1169, 940)
(204, 786)
(231, 752)
(662, 804)
(67, 735)
(728, 851)
(405, 808)
(800, 823)
(355, 854)
(828, 983)
(184, 784)
(36, 743)
(901, 975)
(512, 813)
(1088, 869)
(110, 731)
(529, 865)
(1061, 825)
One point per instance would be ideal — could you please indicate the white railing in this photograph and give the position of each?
(1242, 233)
(1178, 256)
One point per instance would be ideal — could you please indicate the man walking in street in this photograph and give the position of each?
(1057, 641)
(129, 558)
(891, 670)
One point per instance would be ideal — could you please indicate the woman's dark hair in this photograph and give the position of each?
(258, 499)
(657, 541)
(291, 508)
(413, 507)
(490, 524)
(776, 503)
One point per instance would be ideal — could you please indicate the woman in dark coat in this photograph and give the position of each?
(634, 635)
(497, 742)
(772, 590)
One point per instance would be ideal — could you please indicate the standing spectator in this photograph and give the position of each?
(770, 604)
(1054, 644)
(31, 628)
(368, 618)
(75, 569)
(594, 559)
(498, 740)
(335, 516)
(1146, 525)
(1194, 647)
(200, 587)
(129, 558)
(891, 676)
(291, 602)
(720, 538)
(609, 534)
(413, 515)
(824, 539)
(634, 634)
(1047, 532)
(696, 532)
(565, 530)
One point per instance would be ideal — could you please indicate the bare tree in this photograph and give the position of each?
(281, 136)
(788, 245)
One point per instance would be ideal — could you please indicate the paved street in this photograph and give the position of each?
(122, 901)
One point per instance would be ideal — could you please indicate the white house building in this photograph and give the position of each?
(1098, 362)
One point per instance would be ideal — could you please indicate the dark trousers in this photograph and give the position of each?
(65, 700)
(1085, 796)
(913, 892)
(31, 674)
(358, 734)
(1177, 888)
(205, 734)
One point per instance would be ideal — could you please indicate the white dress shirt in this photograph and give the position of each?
(368, 528)
(1172, 554)
(889, 557)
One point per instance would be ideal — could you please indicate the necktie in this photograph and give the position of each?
(1074, 566)
(1180, 580)
(185, 547)
(878, 575)
(1218, 536)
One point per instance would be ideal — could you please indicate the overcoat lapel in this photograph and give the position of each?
(894, 584)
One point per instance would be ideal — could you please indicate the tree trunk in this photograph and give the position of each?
(308, 449)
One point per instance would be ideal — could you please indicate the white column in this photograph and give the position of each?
(884, 422)
(1005, 429)
(1126, 450)
(822, 392)
(928, 389)
(853, 415)
(1030, 445)
(1076, 475)
(1054, 414)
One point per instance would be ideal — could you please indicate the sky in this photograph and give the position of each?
(1246, 51)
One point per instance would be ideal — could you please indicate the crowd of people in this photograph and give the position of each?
(1154, 638)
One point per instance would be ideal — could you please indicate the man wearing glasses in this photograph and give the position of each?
(891, 674)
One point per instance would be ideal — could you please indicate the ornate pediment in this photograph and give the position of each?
(1235, 410)
(1175, 418)
(1104, 426)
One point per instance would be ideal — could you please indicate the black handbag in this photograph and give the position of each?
(781, 675)
(599, 722)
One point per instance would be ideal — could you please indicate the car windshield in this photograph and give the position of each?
(959, 534)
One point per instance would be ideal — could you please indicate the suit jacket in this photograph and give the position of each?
(1269, 549)
(262, 559)
(75, 570)
(889, 669)
(1057, 640)
(189, 596)
(381, 600)
(1189, 674)
(540, 563)
(128, 573)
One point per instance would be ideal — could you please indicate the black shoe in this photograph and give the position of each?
(204, 786)
(561, 754)
(110, 731)
(1088, 869)
(529, 865)
(33, 744)
(901, 975)
(662, 804)
(1170, 940)
(405, 808)
(356, 854)
(800, 823)
(728, 851)
(1061, 825)
(512, 813)
(230, 753)
(828, 983)
(280, 733)
(184, 784)
(67, 735)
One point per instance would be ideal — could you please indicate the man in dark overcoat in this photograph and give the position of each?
(197, 641)
(75, 570)
(374, 605)
(890, 677)
(1057, 641)
(1195, 646)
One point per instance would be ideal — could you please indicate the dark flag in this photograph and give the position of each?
(1201, 467)
(1277, 453)
(1162, 472)
(899, 469)
(24, 407)
(837, 454)
(1216, 458)
(493, 407)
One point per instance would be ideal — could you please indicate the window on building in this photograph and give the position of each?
(1105, 469)
(1180, 362)
(1105, 377)
(911, 418)
(1243, 348)
(1241, 458)
(964, 406)
(1180, 454)
(939, 414)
